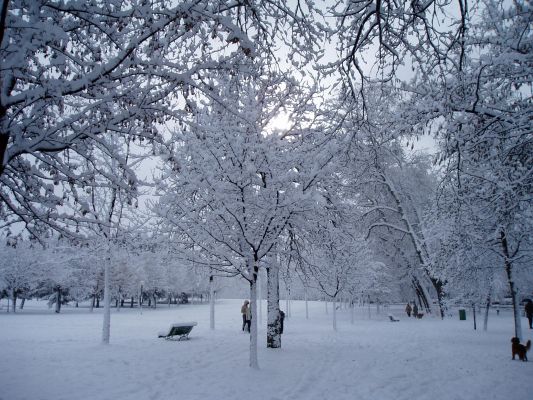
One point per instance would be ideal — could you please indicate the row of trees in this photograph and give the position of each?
(94, 92)
(62, 273)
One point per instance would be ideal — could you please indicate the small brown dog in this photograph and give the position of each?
(520, 349)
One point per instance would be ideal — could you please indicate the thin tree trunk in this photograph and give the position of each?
(486, 319)
(510, 280)
(106, 327)
(306, 305)
(253, 328)
(14, 305)
(273, 315)
(58, 300)
(474, 315)
(352, 312)
(211, 303)
(289, 312)
(334, 303)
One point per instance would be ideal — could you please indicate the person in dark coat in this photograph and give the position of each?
(415, 311)
(528, 308)
(281, 319)
(408, 309)
(246, 316)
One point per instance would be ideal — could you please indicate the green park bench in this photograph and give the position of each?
(178, 331)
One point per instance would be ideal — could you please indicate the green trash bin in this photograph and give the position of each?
(462, 314)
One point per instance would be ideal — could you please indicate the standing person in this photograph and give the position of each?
(244, 311)
(408, 309)
(281, 319)
(528, 308)
(415, 310)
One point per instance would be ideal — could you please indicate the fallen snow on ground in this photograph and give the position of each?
(54, 357)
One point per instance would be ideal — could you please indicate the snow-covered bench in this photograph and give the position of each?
(178, 331)
(392, 319)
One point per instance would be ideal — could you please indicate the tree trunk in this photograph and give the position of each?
(510, 280)
(14, 305)
(98, 301)
(334, 303)
(253, 328)
(211, 303)
(106, 327)
(474, 315)
(23, 300)
(352, 312)
(141, 300)
(420, 249)
(289, 299)
(306, 305)
(58, 299)
(421, 294)
(273, 315)
(259, 300)
(486, 319)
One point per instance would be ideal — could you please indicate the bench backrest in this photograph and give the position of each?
(180, 330)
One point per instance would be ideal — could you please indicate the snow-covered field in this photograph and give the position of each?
(54, 357)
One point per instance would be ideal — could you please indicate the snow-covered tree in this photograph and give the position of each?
(230, 186)
(479, 108)
(22, 269)
(75, 73)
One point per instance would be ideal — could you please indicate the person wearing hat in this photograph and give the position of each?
(246, 316)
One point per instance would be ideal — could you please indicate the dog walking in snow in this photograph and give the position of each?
(520, 349)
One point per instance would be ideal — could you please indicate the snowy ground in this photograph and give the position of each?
(47, 356)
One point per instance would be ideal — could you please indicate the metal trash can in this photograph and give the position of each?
(462, 314)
